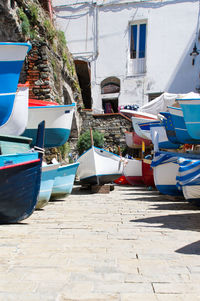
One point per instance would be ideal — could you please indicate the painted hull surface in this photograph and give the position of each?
(162, 139)
(189, 179)
(10, 159)
(133, 140)
(165, 178)
(12, 57)
(98, 166)
(47, 180)
(180, 127)
(19, 189)
(138, 114)
(191, 113)
(147, 173)
(14, 144)
(133, 171)
(64, 181)
(58, 122)
(17, 122)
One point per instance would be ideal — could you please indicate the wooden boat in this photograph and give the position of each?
(178, 122)
(17, 121)
(138, 114)
(133, 171)
(188, 179)
(158, 130)
(20, 178)
(135, 122)
(165, 120)
(147, 173)
(49, 173)
(190, 105)
(99, 166)
(12, 57)
(133, 140)
(165, 170)
(41, 103)
(14, 144)
(64, 180)
(58, 121)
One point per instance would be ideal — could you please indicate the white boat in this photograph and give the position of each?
(58, 122)
(133, 171)
(12, 57)
(188, 179)
(138, 114)
(138, 130)
(166, 170)
(17, 121)
(99, 166)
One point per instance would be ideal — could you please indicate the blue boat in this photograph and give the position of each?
(12, 57)
(190, 106)
(163, 141)
(58, 122)
(47, 180)
(188, 179)
(20, 178)
(64, 180)
(182, 135)
(166, 121)
(165, 170)
(14, 144)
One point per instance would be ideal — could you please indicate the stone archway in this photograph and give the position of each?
(110, 89)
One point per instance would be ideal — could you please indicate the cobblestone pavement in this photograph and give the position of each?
(129, 245)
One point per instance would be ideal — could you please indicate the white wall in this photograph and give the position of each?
(171, 31)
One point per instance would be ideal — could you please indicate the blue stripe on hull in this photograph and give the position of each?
(169, 189)
(6, 107)
(17, 158)
(9, 75)
(19, 188)
(53, 137)
(64, 180)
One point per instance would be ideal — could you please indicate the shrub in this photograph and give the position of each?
(84, 141)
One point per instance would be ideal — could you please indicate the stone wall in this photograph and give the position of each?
(113, 126)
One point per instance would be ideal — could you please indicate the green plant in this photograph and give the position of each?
(33, 9)
(84, 141)
(25, 25)
(61, 38)
(50, 30)
(64, 151)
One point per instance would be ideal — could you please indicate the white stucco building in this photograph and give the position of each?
(129, 52)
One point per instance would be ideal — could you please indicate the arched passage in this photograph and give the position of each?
(110, 89)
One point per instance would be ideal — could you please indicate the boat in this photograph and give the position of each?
(166, 121)
(138, 114)
(49, 172)
(17, 121)
(190, 105)
(64, 180)
(20, 177)
(147, 173)
(14, 144)
(133, 140)
(165, 170)
(188, 179)
(135, 122)
(178, 122)
(42, 103)
(133, 171)
(158, 130)
(12, 57)
(99, 166)
(58, 122)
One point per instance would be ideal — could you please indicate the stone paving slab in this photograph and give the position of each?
(129, 245)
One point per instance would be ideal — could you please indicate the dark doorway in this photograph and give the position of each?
(83, 73)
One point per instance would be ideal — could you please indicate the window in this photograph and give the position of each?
(137, 62)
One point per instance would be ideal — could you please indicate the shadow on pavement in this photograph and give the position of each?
(189, 221)
(193, 248)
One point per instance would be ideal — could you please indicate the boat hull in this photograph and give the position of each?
(147, 173)
(58, 122)
(47, 180)
(12, 57)
(19, 189)
(98, 166)
(133, 171)
(64, 180)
